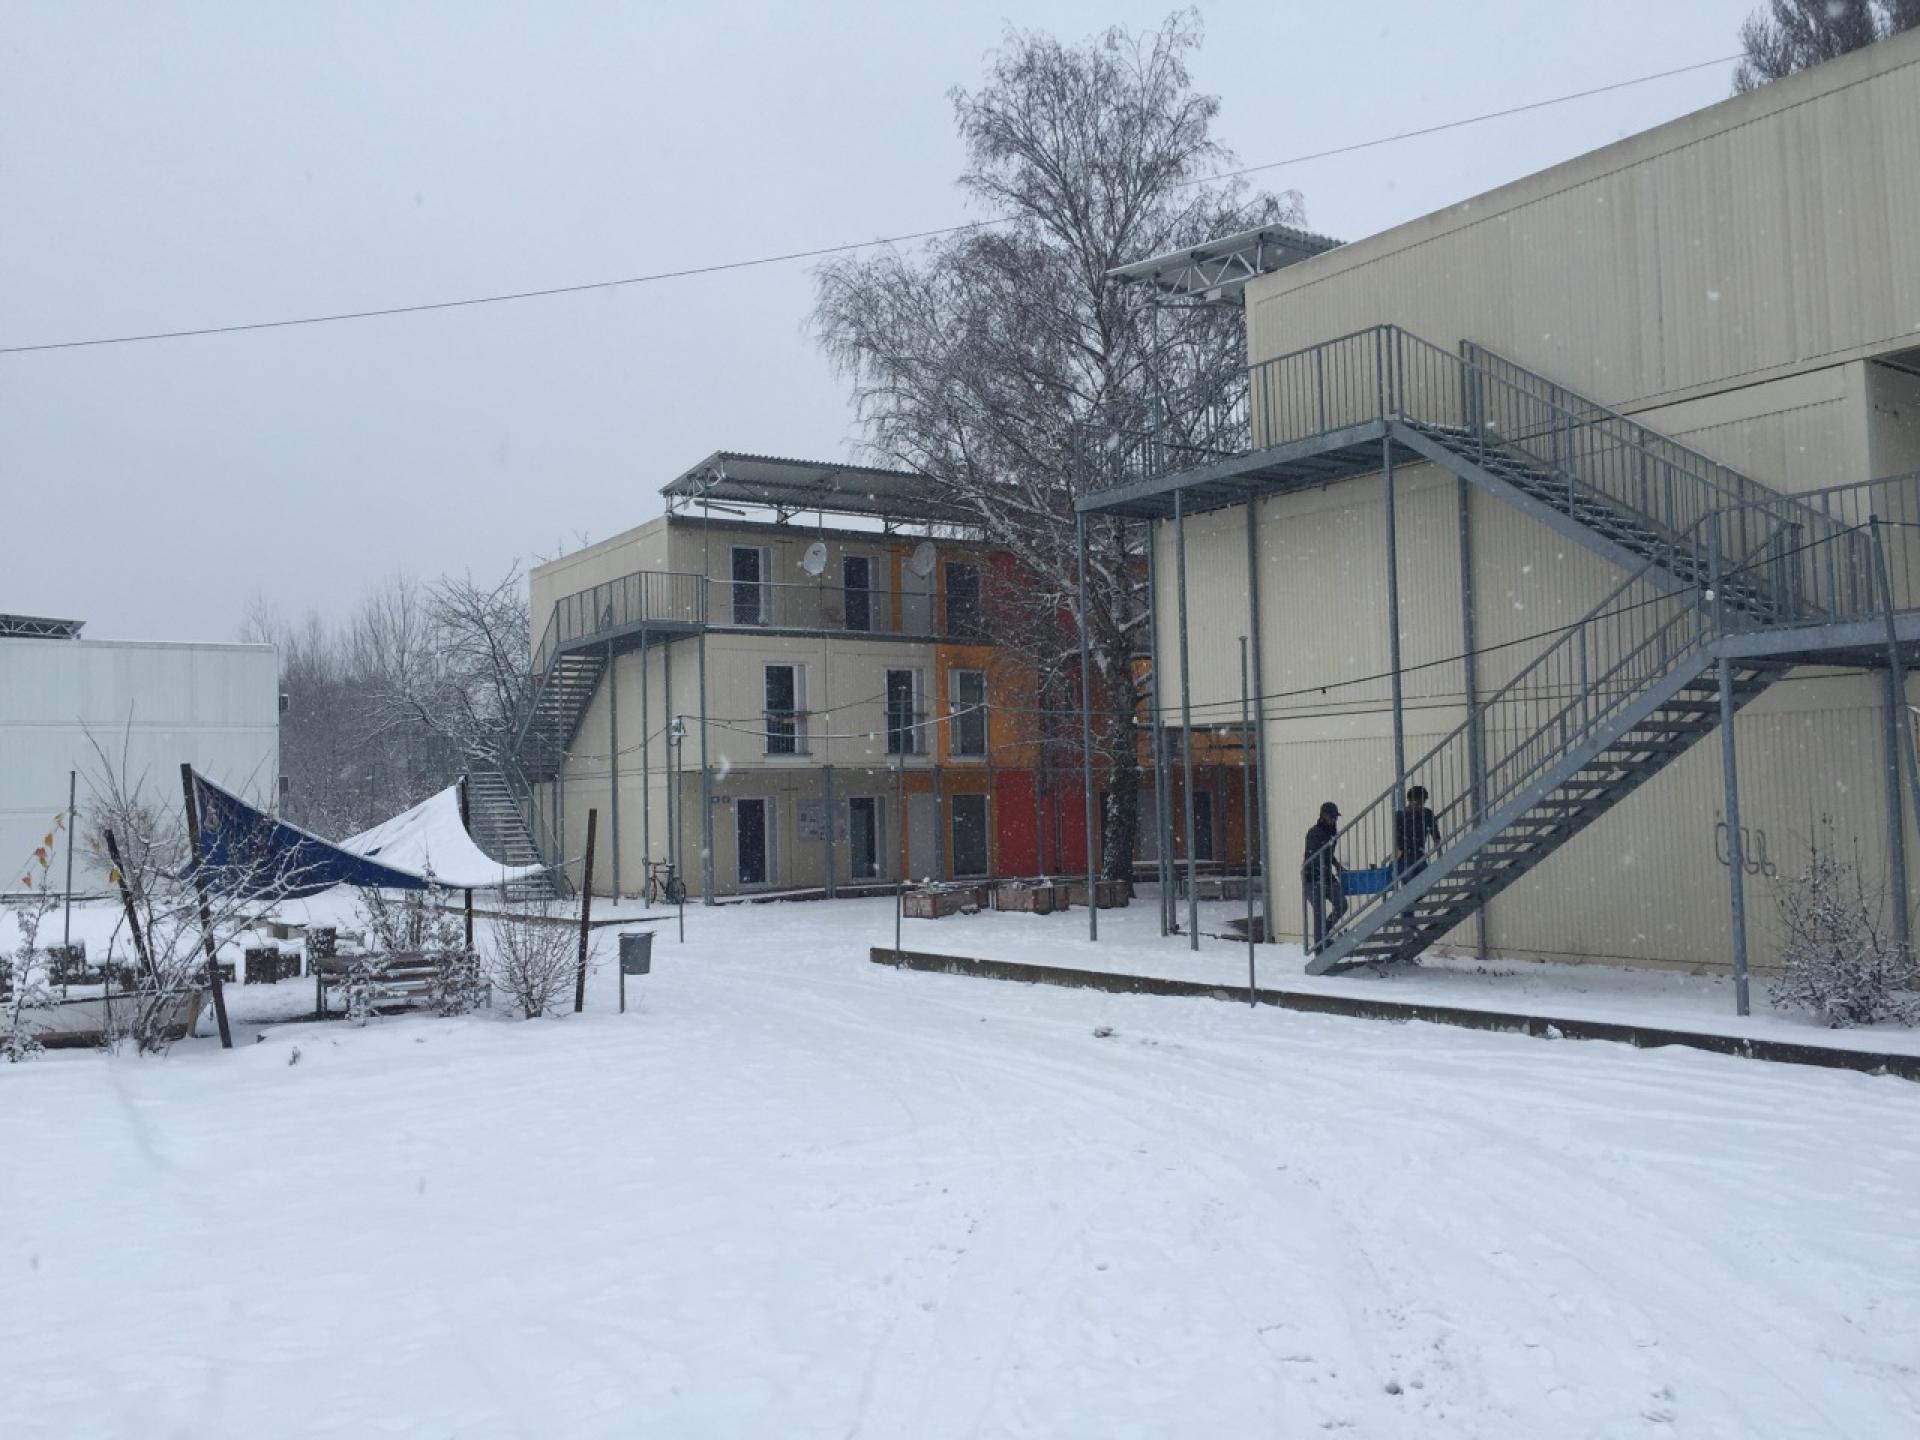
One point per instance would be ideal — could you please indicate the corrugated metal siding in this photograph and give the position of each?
(149, 707)
(1757, 235)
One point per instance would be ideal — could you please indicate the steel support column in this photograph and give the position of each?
(1469, 645)
(646, 762)
(1393, 630)
(1262, 834)
(1897, 890)
(706, 783)
(673, 765)
(613, 765)
(942, 861)
(1186, 714)
(1736, 858)
(833, 831)
(1156, 744)
(1086, 724)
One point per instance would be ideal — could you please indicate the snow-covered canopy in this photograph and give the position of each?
(430, 834)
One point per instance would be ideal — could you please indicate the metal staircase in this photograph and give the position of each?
(1714, 561)
(498, 826)
(560, 698)
(1613, 701)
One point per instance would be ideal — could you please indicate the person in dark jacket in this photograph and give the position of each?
(1414, 829)
(1320, 874)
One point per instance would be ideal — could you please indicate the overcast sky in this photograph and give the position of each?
(166, 166)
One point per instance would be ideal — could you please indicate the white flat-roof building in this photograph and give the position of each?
(147, 705)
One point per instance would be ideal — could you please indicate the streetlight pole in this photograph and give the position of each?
(676, 741)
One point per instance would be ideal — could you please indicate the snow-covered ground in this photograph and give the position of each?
(793, 1193)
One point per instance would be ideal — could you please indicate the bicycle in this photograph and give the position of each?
(663, 885)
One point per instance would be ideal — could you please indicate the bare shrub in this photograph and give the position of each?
(23, 974)
(532, 956)
(1839, 963)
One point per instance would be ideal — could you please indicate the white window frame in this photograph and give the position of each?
(877, 622)
(762, 586)
(917, 729)
(801, 749)
(955, 704)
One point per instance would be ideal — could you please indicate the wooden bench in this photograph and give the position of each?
(407, 979)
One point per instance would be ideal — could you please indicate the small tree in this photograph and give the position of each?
(1792, 35)
(24, 979)
(1839, 963)
(532, 957)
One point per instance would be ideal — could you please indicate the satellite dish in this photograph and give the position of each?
(815, 560)
(921, 561)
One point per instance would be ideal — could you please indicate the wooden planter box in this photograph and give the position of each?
(1218, 887)
(935, 904)
(1107, 894)
(1033, 899)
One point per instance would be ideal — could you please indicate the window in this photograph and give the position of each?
(786, 709)
(750, 590)
(967, 697)
(963, 599)
(903, 713)
(856, 581)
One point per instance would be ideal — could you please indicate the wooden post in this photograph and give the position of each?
(206, 910)
(133, 916)
(586, 915)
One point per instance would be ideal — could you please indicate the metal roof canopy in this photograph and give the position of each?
(37, 627)
(1218, 271)
(791, 487)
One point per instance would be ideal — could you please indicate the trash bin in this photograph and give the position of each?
(636, 958)
(636, 952)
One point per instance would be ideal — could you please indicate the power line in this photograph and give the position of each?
(821, 252)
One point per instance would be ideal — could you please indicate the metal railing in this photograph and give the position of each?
(665, 597)
(840, 609)
(1669, 489)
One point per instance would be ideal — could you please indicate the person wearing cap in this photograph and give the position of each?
(1414, 828)
(1320, 874)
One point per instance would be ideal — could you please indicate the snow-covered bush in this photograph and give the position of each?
(461, 986)
(532, 957)
(1838, 962)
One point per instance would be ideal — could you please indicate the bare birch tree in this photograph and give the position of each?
(995, 360)
(1792, 35)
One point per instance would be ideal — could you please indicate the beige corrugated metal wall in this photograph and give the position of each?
(1726, 275)
(1770, 233)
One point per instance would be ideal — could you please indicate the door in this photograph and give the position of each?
(863, 836)
(1203, 825)
(1147, 826)
(749, 587)
(923, 854)
(753, 841)
(856, 581)
(969, 834)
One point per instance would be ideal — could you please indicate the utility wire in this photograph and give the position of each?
(820, 252)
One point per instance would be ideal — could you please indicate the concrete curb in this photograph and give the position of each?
(1872, 1062)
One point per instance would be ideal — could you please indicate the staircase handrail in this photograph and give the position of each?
(1669, 485)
